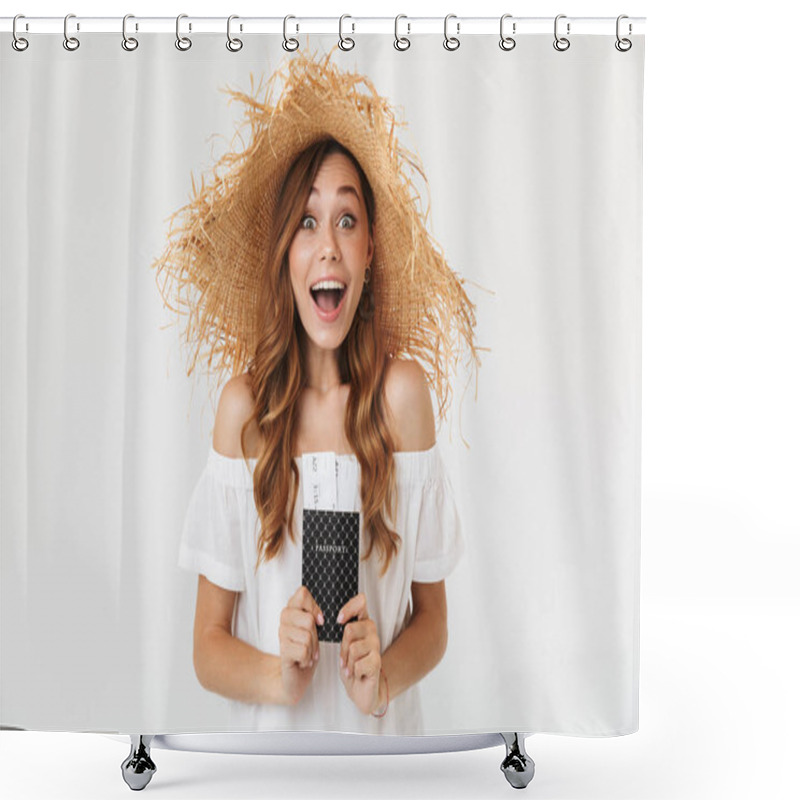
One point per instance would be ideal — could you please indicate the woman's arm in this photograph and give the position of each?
(224, 664)
(421, 646)
(227, 665)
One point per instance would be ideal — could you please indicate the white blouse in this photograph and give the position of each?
(219, 540)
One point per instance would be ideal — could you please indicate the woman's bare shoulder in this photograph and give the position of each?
(235, 407)
(408, 399)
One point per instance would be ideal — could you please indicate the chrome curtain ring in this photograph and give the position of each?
(561, 43)
(70, 42)
(345, 42)
(18, 42)
(401, 42)
(234, 45)
(623, 45)
(451, 42)
(507, 42)
(289, 44)
(182, 42)
(128, 42)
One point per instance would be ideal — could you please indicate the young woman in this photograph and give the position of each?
(323, 376)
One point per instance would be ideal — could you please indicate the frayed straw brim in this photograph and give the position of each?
(216, 246)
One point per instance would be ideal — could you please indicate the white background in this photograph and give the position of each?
(719, 696)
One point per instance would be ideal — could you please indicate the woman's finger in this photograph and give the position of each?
(298, 628)
(357, 650)
(363, 631)
(300, 637)
(304, 600)
(354, 607)
(368, 666)
(297, 653)
(301, 598)
(296, 618)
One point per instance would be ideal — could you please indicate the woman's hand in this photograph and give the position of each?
(299, 644)
(360, 655)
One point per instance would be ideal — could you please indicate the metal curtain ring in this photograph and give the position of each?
(451, 42)
(289, 44)
(345, 42)
(182, 42)
(18, 43)
(234, 45)
(507, 42)
(128, 42)
(70, 42)
(623, 45)
(401, 42)
(561, 43)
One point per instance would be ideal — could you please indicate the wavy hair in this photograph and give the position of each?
(277, 378)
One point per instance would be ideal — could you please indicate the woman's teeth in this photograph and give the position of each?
(328, 294)
(327, 285)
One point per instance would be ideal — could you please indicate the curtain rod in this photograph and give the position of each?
(351, 24)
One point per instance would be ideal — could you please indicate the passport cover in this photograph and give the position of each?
(330, 564)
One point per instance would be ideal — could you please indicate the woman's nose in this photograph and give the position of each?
(329, 248)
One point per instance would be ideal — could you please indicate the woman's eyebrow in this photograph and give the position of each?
(345, 189)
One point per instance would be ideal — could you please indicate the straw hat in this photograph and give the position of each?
(214, 258)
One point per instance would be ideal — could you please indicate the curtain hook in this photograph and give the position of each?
(18, 43)
(70, 42)
(451, 42)
(507, 42)
(129, 43)
(623, 45)
(401, 42)
(234, 45)
(345, 42)
(183, 43)
(289, 44)
(561, 43)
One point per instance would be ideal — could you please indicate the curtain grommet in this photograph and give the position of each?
(346, 43)
(19, 43)
(71, 43)
(451, 42)
(401, 42)
(290, 44)
(129, 43)
(183, 43)
(507, 42)
(234, 45)
(561, 43)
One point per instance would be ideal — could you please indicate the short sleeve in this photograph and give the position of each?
(211, 540)
(440, 541)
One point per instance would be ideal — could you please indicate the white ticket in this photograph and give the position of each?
(319, 481)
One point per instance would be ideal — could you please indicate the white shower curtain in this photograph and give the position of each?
(533, 163)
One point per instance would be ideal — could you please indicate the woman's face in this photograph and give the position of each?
(330, 253)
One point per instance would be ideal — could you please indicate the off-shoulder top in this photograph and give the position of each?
(219, 538)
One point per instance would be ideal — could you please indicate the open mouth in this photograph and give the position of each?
(328, 300)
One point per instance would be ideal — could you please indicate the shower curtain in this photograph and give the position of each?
(527, 506)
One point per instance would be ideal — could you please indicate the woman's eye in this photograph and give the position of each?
(349, 219)
(307, 219)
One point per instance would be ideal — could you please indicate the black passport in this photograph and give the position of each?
(330, 564)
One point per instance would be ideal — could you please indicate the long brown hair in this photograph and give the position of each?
(277, 378)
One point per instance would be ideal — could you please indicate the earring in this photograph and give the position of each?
(367, 275)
